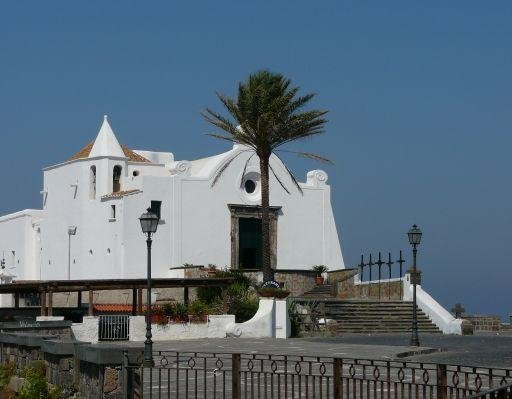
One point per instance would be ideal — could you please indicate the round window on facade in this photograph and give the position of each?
(249, 186)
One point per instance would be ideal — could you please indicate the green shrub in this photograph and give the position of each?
(168, 309)
(240, 298)
(209, 294)
(293, 314)
(198, 308)
(7, 370)
(35, 385)
(244, 309)
(180, 310)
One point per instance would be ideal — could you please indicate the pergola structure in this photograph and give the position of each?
(47, 288)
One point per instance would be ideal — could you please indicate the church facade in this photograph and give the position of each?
(88, 226)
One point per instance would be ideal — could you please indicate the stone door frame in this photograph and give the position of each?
(252, 211)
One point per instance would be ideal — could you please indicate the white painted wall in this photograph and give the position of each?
(195, 226)
(433, 309)
(270, 321)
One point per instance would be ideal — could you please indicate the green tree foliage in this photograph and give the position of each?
(266, 115)
(240, 297)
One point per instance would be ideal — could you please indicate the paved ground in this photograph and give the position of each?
(322, 347)
(179, 377)
(474, 350)
(477, 350)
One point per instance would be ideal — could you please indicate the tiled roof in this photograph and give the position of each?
(131, 155)
(114, 307)
(120, 194)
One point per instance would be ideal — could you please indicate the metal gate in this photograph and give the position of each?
(114, 327)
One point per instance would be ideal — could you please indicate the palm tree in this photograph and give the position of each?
(266, 115)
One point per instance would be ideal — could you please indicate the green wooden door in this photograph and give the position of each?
(249, 243)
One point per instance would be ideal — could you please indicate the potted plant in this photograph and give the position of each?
(158, 316)
(197, 311)
(271, 292)
(180, 312)
(320, 270)
(211, 270)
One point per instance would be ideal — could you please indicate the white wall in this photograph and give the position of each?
(195, 226)
(19, 243)
(433, 309)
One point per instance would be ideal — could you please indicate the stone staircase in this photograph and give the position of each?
(319, 292)
(367, 316)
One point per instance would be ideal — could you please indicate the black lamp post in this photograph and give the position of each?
(414, 235)
(149, 224)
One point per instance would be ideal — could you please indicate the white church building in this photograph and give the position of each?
(88, 226)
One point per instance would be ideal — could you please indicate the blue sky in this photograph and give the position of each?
(419, 95)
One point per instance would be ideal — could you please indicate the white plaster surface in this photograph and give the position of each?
(433, 309)
(137, 330)
(214, 328)
(282, 321)
(262, 325)
(195, 226)
(88, 330)
(270, 321)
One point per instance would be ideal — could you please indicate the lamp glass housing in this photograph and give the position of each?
(149, 222)
(414, 235)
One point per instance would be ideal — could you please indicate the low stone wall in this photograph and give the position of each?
(19, 355)
(100, 381)
(386, 289)
(60, 370)
(58, 328)
(347, 286)
(296, 281)
(485, 323)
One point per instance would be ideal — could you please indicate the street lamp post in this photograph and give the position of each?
(414, 235)
(149, 224)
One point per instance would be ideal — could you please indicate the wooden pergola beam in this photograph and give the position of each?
(109, 285)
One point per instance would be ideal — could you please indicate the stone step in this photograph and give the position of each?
(371, 316)
(382, 331)
(407, 323)
(404, 315)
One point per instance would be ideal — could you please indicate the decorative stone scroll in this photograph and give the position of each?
(180, 168)
(316, 178)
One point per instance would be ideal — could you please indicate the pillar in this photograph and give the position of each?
(91, 303)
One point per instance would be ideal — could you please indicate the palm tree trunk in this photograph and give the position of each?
(268, 272)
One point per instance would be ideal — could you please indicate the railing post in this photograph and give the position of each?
(235, 377)
(442, 389)
(126, 387)
(337, 382)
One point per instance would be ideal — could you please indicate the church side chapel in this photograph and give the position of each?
(88, 227)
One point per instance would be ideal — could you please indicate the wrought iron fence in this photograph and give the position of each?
(114, 327)
(502, 392)
(381, 272)
(242, 375)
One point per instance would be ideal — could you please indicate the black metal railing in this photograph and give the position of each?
(243, 375)
(114, 327)
(381, 273)
(501, 392)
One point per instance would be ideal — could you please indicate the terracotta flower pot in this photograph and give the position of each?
(319, 280)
